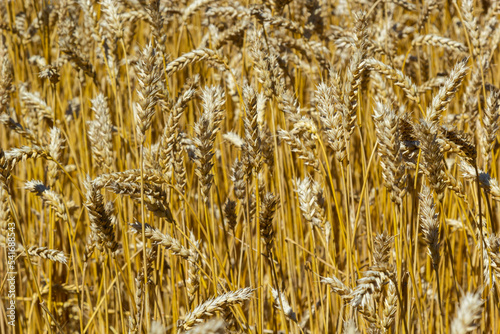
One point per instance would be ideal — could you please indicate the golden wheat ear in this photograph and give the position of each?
(220, 303)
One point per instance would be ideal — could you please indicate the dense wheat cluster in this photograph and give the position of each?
(252, 166)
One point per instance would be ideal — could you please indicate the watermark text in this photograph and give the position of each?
(11, 274)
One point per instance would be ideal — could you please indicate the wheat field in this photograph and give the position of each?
(274, 166)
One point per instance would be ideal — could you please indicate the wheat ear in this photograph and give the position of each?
(400, 79)
(429, 221)
(46, 253)
(212, 326)
(100, 133)
(51, 197)
(467, 314)
(446, 92)
(191, 57)
(220, 303)
(149, 76)
(281, 303)
(101, 222)
(206, 129)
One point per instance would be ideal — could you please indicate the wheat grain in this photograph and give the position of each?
(265, 16)
(353, 81)
(15, 155)
(252, 146)
(429, 7)
(55, 148)
(370, 284)
(35, 102)
(238, 178)
(18, 128)
(311, 204)
(492, 259)
(6, 78)
(170, 135)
